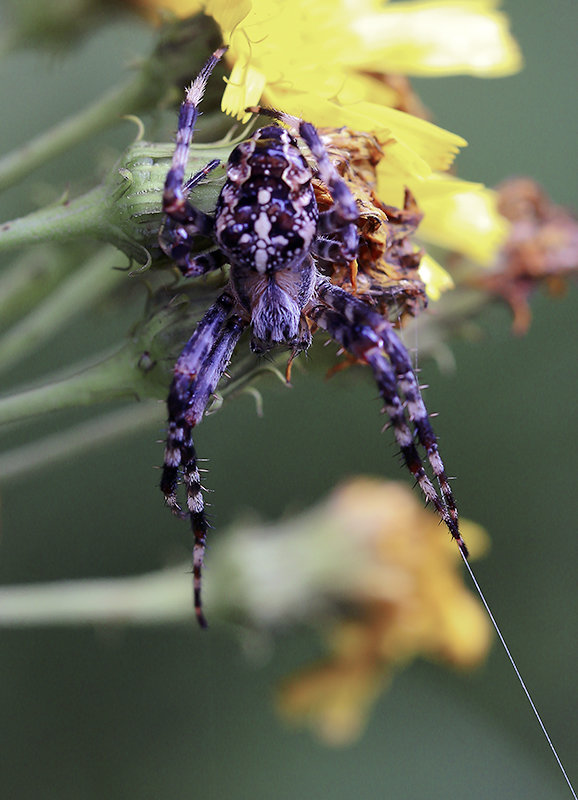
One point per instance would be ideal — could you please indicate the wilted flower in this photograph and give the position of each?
(408, 602)
(542, 248)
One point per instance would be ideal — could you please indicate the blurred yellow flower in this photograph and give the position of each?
(409, 601)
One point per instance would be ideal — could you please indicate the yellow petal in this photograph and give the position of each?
(435, 277)
(333, 698)
(458, 215)
(415, 147)
(226, 13)
(436, 146)
(244, 88)
(437, 38)
(466, 221)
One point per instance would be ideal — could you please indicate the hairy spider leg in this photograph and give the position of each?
(338, 220)
(200, 176)
(178, 247)
(372, 339)
(196, 374)
(187, 372)
(184, 221)
(341, 218)
(175, 203)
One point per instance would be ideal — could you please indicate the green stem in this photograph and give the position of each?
(121, 375)
(249, 581)
(182, 47)
(161, 597)
(112, 378)
(63, 221)
(124, 210)
(69, 299)
(62, 446)
(107, 109)
(29, 279)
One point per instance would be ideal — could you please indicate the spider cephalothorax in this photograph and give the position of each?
(282, 250)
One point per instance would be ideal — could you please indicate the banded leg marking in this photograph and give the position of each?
(197, 373)
(371, 339)
(183, 219)
(175, 192)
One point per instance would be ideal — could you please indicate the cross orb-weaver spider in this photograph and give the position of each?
(268, 228)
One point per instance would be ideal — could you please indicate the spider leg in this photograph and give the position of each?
(333, 250)
(343, 215)
(183, 220)
(196, 375)
(200, 176)
(372, 339)
(175, 242)
(175, 203)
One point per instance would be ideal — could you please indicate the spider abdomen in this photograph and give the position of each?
(266, 216)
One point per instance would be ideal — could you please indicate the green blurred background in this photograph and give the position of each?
(166, 713)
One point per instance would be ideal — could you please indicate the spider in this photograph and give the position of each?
(267, 226)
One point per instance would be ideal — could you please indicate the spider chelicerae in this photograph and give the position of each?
(281, 250)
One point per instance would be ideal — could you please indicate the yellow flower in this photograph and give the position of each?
(409, 601)
(329, 62)
(294, 55)
(321, 61)
(330, 48)
(438, 38)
